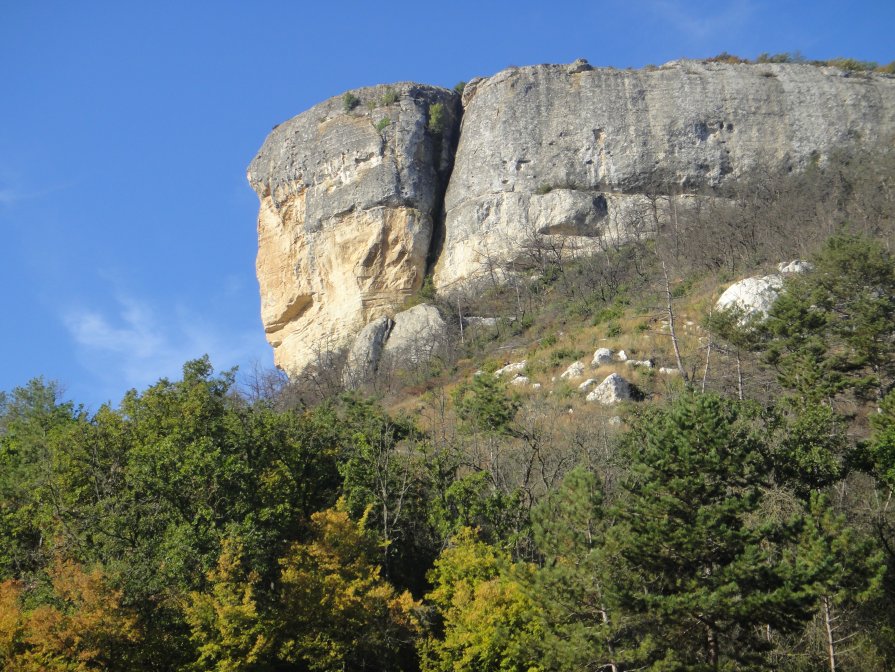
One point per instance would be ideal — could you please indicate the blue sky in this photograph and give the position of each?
(128, 229)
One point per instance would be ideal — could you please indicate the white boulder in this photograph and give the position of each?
(601, 356)
(613, 390)
(753, 297)
(575, 370)
(515, 367)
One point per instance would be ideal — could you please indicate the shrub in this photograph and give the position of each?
(436, 118)
(562, 355)
(382, 124)
(852, 65)
(458, 88)
(349, 101)
(724, 57)
(613, 329)
(389, 97)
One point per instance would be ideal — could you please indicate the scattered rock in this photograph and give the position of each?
(601, 356)
(669, 371)
(621, 356)
(587, 384)
(795, 266)
(536, 386)
(645, 363)
(417, 335)
(520, 380)
(615, 420)
(516, 367)
(475, 321)
(575, 370)
(613, 390)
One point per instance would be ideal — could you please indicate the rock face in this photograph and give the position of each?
(418, 335)
(366, 352)
(555, 149)
(350, 195)
(361, 196)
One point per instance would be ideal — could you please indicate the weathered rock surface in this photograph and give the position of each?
(366, 352)
(575, 370)
(601, 356)
(418, 335)
(514, 367)
(348, 203)
(555, 149)
(587, 384)
(753, 297)
(613, 390)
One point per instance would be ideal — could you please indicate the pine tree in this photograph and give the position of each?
(704, 571)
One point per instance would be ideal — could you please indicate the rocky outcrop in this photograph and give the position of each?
(366, 352)
(418, 335)
(554, 149)
(361, 196)
(350, 198)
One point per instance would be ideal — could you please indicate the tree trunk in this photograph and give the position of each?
(711, 642)
(828, 627)
(671, 326)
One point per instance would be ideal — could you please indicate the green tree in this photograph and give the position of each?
(576, 589)
(705, 571)
(832, 329)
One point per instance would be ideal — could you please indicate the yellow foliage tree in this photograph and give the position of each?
(229, 632)
(490, 621)
(11, 622)
(338, 611)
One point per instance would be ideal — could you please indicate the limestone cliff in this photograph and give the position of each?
(351, 191)
(566, 149)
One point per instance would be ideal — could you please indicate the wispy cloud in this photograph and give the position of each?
(133, 344)
(698, 21)
(13, 195)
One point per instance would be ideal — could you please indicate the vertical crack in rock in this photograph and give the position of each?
(446, 149)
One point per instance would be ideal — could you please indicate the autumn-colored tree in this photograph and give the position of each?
(11, 622)
(336, 610)
(489, 620)
(83, 628)
(227, 628)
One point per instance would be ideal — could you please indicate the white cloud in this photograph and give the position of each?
(133, 345)
(699, 23)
